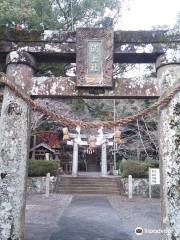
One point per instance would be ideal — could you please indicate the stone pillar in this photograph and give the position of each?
(14, 143)
(48, 184)
(75, 159)
(168, 72)
(34, 151)
(130, 186)
(104, 160)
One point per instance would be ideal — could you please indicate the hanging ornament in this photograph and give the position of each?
(90, 151)
(117, 137)
(78, 137)
(100, 137)
(78, 129)
(65, 134)
(92, 142)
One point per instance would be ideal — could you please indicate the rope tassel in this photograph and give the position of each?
(92, 142)
(65, 134)
(117, 137)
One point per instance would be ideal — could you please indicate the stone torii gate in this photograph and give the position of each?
(94, 51)
(103, 140)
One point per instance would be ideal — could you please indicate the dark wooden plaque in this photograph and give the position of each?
(94, 57)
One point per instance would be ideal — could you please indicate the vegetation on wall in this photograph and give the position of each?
(152, 162)
(135, 168)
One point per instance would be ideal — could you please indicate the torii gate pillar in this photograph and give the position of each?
(75, 159)
(168, 72)
(14, 144)
(104, 160)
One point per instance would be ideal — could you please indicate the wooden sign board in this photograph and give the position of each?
(94, 57)
(154, 176)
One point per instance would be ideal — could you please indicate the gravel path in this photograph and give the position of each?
(90, 217)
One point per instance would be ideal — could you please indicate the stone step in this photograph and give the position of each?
(89, 179)
(88, 192)
(92, 168)
(88, 185)
(87, 176)
(92, 184)
(88, 182)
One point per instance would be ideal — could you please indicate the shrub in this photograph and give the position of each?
(135, 168)
(38, 168)
(121, 164)
(151, 162)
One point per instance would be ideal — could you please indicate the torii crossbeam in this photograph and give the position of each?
(20, 51)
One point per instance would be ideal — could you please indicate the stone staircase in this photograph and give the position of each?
(92, 166)
(89, 185)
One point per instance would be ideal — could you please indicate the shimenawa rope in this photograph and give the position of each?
(164, 100)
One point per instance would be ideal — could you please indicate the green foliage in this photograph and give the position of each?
(9, 11)
(151, 162)
(135, 168)
(95, 108)
(98, 107)
(63, 15)
(37, 168)
(78, 105)
(148, 102)
(121, 164)
(33, 12)
(81, 166)
(48, 69)
(55, 14)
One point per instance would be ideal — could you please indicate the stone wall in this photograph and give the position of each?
(141, 188)
(38, 185)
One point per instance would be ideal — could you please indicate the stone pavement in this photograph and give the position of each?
(42, 215)
(90, 217)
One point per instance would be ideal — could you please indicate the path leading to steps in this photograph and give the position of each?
(90, 217)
